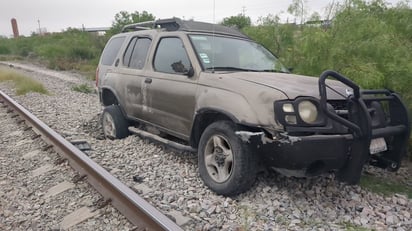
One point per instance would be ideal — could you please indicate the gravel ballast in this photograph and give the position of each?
(37, 191)
(169, 180)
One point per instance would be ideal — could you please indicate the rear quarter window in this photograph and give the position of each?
(111, 50)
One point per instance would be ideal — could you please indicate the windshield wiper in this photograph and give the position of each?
(230, 69)
(276, 71)
(243, 69)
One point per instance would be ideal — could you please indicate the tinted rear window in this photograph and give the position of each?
(129, 51)
(136, 52)
(140, 53)
(111, 50)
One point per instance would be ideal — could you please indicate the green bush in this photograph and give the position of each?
(51, 51)
(4, 47)
(81, 53)
(62, 51)
(22, 47)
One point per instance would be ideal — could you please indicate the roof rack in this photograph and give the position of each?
(138, 26)
(176, 24)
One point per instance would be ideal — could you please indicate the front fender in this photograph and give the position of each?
(250, 103)
(226, 101)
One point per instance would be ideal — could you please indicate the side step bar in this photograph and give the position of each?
(156, 138)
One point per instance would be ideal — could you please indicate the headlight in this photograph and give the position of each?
(308, 111)
(300, 114)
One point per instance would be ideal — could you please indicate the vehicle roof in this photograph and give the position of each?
(176, 24)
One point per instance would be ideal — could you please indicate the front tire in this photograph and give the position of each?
(114, 124)
(227, 165)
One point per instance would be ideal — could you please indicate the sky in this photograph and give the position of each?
(58, 15)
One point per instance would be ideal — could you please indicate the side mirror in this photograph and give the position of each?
(191, 72)
(180, 68)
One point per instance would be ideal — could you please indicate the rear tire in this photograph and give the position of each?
(227, 165)
(114, 124)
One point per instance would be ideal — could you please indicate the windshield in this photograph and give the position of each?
(231, 54)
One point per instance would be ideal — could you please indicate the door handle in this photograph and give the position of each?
(148, 80)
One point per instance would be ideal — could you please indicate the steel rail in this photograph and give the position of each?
(132, 206)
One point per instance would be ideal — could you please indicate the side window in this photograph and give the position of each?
(111, 50)
(171, 57)
(141, 48)
(129, 51)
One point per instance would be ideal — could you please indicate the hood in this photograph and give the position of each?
(290, 84)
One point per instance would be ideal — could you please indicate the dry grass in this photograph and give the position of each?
(22, 83)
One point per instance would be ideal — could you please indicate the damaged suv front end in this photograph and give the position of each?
(338, 133)
(299, 125)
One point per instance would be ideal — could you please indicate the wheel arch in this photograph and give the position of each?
(109, 97)
(204, 117)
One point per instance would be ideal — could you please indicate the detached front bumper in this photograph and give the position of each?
(309, 155)
(316, 154)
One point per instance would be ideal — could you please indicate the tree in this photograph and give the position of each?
(298, 9)
(240, 21)
(279, 38)
(315, 16)
(269, 20)
(123, 18)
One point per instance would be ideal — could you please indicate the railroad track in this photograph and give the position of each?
(132, 206)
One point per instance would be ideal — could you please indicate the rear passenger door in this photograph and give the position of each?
(131, 74)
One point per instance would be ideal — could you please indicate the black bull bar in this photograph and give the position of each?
(395, 131)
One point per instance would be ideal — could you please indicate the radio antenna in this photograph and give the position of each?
(214, 11)
(213, 36)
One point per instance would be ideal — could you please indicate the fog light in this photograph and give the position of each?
(290, 119)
